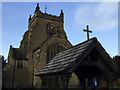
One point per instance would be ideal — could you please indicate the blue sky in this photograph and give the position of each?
(102, 17)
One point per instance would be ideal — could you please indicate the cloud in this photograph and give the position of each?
(101, 16)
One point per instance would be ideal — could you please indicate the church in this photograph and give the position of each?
(46, 59)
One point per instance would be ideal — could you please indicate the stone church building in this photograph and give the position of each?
(46, 59)
(44, 38)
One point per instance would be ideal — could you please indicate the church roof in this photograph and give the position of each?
(20, 54)
(64, 61)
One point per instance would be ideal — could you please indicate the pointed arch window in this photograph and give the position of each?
(21, 65)
(18, 65)
(58, 49)
(53, 50)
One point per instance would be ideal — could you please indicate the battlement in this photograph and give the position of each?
(45, 15)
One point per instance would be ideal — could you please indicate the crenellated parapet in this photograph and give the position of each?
(39, 14)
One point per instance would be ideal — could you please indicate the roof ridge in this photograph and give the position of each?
(65, 62)
(94, 38)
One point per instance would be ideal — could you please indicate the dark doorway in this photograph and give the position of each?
(88, 76)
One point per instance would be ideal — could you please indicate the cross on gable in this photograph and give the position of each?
(88, 31)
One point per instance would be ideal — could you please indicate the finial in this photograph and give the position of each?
(10, 46)
(61, 14)
(61, 11)
(45, 8)
(37, 4)
(29, 18)
(37, 8)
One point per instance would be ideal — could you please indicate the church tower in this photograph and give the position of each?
(43, 26)
(44, 38)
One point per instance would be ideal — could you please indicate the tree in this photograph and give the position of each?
(3, 61)
(116, 59)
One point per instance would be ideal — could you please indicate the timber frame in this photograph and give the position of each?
(88, 60)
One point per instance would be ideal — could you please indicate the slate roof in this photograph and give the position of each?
(64, 59)
(19, 54)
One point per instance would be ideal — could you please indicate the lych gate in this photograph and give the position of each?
(88, 61)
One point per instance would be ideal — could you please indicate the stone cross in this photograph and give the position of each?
(87, 30)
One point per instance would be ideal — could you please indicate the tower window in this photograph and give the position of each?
(17, 64)
(21, 65)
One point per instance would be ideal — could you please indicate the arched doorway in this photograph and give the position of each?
(73, 81)
(88, 76)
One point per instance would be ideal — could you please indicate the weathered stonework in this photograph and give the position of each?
(44, 39)
(36, 42)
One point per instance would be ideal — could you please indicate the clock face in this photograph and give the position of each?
(50, 29)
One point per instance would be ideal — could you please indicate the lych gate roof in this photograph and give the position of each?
(19, 54)
(64, 59)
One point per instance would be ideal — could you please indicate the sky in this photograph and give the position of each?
(102, 18)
